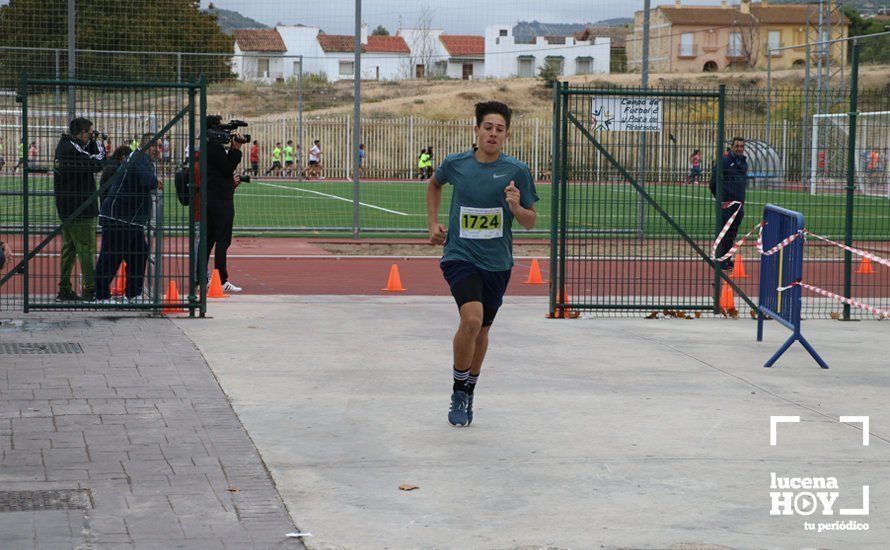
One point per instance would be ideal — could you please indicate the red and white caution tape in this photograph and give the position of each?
(785, 242)
(863, 253)
(854, 303)
(723, 231)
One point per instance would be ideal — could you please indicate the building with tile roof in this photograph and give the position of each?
(259, 54)
(713, 38)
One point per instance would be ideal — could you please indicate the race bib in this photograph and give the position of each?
(481, 223)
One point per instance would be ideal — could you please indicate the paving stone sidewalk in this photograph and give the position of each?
(139, 422)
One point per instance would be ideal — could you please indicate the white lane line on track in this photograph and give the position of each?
(333, 197)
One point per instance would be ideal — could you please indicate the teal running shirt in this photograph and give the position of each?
(480, 221)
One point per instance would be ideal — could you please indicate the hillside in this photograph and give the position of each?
(862, 6)
(528, 29)
(230, 20)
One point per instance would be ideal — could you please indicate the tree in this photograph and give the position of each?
(549, 74)
(745, 47)
(380, 31)
(169, 26)
(422, 46)
(872, 50)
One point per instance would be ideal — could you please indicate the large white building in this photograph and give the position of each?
(275, 54)
(507, 56)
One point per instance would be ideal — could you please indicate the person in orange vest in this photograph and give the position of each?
(871, 168)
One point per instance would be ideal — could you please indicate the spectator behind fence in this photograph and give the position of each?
(735, 182)
(220, 197)
(118, 157)
(5, 254)
(255, 158)
(77, 159)
(124, 217)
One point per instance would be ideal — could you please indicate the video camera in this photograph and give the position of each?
(222, 133)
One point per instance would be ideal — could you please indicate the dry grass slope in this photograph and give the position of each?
(454, 99)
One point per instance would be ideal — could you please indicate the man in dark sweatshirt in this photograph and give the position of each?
(735, 183)
(77, 159)
(220, 196)
(124, 216)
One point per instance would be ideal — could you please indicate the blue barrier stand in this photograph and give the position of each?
(779, 270)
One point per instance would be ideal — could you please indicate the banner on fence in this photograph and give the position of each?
(626, 114)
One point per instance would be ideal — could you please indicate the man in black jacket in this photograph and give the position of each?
(221, 184)
(124, 216)
(735, 182)
(78, 157)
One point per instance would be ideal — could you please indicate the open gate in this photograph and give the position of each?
(633, 224)
(162, 121)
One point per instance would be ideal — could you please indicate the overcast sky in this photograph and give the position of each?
(454, 16)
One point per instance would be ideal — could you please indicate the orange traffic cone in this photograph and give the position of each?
(727, 298)
(566, 312)
(534, 275)
(171, 298)
(215, 290)
(738, 268)
(394, 284)
(119, 288)
(865, 267)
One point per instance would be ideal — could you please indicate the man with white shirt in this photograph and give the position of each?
(315, 165)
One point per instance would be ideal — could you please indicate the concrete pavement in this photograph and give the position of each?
(132, 423)
(602, 433)
(588, 433)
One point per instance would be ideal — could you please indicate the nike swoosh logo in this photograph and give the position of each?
(500, 176)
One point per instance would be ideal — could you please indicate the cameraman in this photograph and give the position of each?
(78, 157)
(221, 184)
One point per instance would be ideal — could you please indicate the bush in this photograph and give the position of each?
(549, 74)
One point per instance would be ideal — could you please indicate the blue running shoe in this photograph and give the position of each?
(457, 414)
(469, 409)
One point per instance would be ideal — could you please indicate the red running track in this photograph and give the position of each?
(281, 266)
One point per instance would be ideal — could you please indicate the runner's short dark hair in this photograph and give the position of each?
(493, 107)
(738, 138)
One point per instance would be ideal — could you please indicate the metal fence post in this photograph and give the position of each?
(718, 170)
(554, 198)
(190, 166)
(563, 207)
(72, 69)
(300, 121)
(26, 232)
(356, 118)
(202, 162)
(178, 67)
(851, 176)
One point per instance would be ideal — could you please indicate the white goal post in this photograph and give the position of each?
(829, 154)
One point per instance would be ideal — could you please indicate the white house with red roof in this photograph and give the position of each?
(270, 54)
(274, 54)
(259, 55)
(466, 56)
(434, 53)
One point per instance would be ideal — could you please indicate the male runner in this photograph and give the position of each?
(490, 190)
